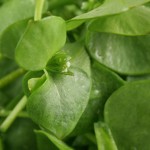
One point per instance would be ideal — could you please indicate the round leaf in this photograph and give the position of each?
(126, 55)
(127, 114)
(59, 103)
(41, 40)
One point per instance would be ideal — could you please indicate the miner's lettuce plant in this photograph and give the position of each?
(74, 75)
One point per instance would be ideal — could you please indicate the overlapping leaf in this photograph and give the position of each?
(104, 83)
(127, 114)
(15, 10)
(133, 22)
(59, 103)
(79, 57)
(12, 35)
(126, 55)
(109, 7)
(41, 40)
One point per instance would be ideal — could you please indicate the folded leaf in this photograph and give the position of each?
(59, 103)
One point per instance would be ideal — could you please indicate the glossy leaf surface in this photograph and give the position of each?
(109, 7)
(40, 42)
(59, 103)
(127, 114)
(133, 22)
(126, 55)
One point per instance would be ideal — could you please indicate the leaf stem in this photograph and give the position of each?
(12, 116)
(38, 10)
(11, 77)
(5, 113)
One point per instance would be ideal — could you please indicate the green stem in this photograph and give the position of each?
(38, 10)
(11, 77)
(12, 116)
(5, 113)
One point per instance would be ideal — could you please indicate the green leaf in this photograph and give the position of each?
(104, 83)
(104, 137)
(60, 144)
(77, 53)
(126, 55)
(127, 23)
(59, 103)
(109, 7)
(12, 35)
(127, 114)
(41, 40)
(15, 10)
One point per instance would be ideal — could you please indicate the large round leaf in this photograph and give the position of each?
(133, 22)
(41, 40)
(127, 112)
(59, 103)
(126, 55)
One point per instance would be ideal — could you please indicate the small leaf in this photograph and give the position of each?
(124, 54)
(41, 40)
(104, 137)
(133, 22)
(59, 103)
(127, 114)
(60, 144)
(109, 7)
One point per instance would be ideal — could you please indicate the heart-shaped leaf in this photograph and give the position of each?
(126, 55)
(127, 114)
(109, 7)
(127, 23)
(41, 40)
(59, 103)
